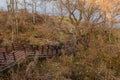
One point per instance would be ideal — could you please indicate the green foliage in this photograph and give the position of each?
(62, 37)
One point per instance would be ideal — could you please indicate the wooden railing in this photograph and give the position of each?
(18, 52)
(7, 57)
(3, 57)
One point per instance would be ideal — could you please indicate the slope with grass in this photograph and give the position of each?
(97, 56)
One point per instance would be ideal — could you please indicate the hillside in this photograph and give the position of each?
(60, 40)
(95, 57)
(41, 32)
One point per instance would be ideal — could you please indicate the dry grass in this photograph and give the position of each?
(98, 61)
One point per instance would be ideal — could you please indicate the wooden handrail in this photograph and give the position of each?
(15, 56)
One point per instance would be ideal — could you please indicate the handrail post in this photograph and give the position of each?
(14, 56)
(56, 50)
(5, 59)
(24, 48)
(13, 48)
(6, 48)
(52, 50)
(48, 49)
(61, 50)
(37, 47)
(34, 48)
(42, 51)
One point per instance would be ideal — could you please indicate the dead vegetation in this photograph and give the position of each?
(97, 57)
(91, 49)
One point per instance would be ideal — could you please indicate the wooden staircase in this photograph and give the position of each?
(19, 53)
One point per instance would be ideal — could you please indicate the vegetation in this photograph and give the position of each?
(91, 44)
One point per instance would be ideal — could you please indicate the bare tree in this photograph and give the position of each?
(111, 13)
(34, 5)
(13, 9)
(82, 10)
(62, 11)
(8, 5)
(25, 5)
